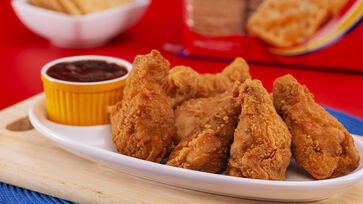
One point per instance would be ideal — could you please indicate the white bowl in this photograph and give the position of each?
(85, 31)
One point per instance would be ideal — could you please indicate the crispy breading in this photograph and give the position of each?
(143, 122)
(261, 145)
(185, 83)
(193, 115)
(320, 144)
(205, 128)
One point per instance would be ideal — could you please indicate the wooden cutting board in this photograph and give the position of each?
(29, 160)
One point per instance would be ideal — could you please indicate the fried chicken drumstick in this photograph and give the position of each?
(320, 144)
(261, 145)
(205, 128)
(143, 122)
(185, 83)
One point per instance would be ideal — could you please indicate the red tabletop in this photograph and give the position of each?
(22, 54)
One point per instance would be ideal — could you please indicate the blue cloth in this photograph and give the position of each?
(15, 195)
(353, 124)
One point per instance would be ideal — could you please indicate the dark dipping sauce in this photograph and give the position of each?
(86, 71)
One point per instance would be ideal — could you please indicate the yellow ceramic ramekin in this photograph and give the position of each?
(82, 103)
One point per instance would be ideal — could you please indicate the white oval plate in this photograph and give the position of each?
(95, 143)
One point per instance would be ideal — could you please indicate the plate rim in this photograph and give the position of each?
(181, 173)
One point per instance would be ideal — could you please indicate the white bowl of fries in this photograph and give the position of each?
(77, 24)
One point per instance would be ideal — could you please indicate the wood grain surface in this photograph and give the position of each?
(29, 160)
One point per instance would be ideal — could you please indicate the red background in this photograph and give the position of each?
(23, 53)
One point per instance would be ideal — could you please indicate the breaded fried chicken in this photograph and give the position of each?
(261, 145)
(185, 83)
(143, 122)
(193, 115)
(205, 128)
(204, 151)
(320, 144)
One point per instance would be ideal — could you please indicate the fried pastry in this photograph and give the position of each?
(284, 23)
(333, 6)
(48, 4)
(78, 7)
